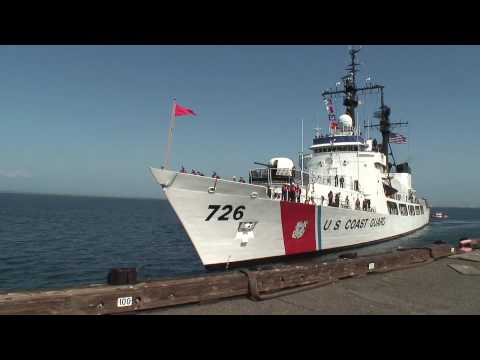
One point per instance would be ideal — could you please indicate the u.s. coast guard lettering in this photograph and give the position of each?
(354, 224)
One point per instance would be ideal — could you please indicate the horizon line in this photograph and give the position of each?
(79, 195)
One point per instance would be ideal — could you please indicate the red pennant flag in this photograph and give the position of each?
(183, 111)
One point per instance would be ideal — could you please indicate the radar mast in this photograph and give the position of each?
(350, 93)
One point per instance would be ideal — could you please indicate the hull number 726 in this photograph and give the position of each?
(237, 213)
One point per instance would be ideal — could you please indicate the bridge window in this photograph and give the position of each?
(349, 148)
(392, 208)
(411, 210)
(403, 210)
(421, 209)
(417, 210)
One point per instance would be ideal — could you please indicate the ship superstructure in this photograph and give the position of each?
(347, 163)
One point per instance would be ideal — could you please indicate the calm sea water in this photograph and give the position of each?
(50, 241)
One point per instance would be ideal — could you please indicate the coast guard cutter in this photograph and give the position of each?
(351, 192)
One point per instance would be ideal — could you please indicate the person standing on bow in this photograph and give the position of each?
(291, 192)
(298, 192)
(330, 198)
(284, 192)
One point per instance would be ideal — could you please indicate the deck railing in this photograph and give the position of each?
(276, 176)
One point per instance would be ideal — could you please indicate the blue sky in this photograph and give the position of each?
(89, 120)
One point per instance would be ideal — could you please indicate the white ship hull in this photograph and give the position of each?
(212, 211)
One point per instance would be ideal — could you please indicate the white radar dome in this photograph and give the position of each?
(345, 120)
(281, 163)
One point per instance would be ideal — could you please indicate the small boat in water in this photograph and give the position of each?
(468, 245)
(439, 215)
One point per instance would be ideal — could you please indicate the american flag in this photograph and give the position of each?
(397, 139)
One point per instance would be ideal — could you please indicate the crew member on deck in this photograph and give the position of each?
(284, 192)
(357, 204)
(292, 192)
(336, 180)
(298, 192)
(330, 198)
(342, 181)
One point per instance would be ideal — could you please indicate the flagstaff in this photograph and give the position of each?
(170, 135)
(177, 110)
(301, 170)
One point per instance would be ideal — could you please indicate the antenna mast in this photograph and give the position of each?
(349, 82)
(350, 90)
(384, 126)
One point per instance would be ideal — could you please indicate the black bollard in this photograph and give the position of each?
(122, 276)
(351, 255)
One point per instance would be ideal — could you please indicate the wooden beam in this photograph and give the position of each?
(98, 300)
(104, 299)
